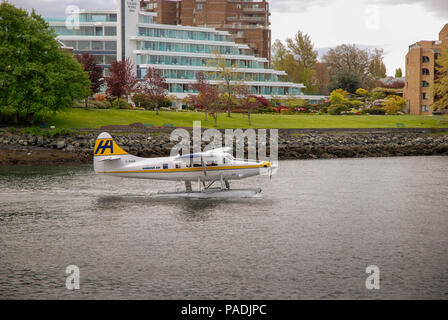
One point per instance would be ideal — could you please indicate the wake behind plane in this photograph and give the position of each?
(205, 168)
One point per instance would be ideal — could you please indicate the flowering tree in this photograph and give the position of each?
(246, 101)
(208, 97)
(122, 80)
(154, 87)
(95, 72)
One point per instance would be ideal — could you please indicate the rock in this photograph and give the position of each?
(60, 144)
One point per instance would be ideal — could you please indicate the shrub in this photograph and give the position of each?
(167, 103)
(100, 97)
(99, 104)
(337, 98)
(121, 104)
(394, 104)
(336, 109)
(362, 92)
(355, 103)
(265, 110)
(376, 111)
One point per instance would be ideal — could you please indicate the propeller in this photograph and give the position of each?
(271, 169)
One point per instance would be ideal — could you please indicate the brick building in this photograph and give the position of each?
(247, 21)
(420, 74)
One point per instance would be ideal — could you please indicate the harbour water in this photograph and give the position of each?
(311, 235)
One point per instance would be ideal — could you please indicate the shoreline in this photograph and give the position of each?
(293, 144)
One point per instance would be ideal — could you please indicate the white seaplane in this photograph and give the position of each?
(206, 168)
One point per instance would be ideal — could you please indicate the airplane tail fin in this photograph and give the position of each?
(107, 150)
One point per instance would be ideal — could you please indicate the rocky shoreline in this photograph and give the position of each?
(293, 144)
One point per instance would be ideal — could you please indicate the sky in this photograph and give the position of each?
(392, 25)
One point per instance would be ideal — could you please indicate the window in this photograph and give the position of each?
(110, 31)
(111, 45)
(109, 59)
(425, 108)
(425, 71)
(425, 59)
(425, 84)
(97, 45)
(99, 59)
(199, 6)
(424, 96)
(83, 45)
(165, 166)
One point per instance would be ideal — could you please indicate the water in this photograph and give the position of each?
(318, 226)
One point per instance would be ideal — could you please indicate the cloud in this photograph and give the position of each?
(438, 8)
(296, 5)
(56, 8)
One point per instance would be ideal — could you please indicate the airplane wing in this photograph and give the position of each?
(209, 153)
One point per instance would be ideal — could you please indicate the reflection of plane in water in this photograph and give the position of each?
(207, 168)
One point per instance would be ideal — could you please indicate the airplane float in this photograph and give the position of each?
(205, 168)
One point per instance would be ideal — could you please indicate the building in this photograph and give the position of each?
(179, 51)
(247, 21)
(421, 72)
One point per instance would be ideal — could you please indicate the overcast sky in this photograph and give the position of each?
(389, 24)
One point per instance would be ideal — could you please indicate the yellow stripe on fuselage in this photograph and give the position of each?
(193, 169)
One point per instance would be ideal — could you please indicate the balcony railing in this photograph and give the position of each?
(255, 9)
(244, 18)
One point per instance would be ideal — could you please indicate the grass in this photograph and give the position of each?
(96, 118)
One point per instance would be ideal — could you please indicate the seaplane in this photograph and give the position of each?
(206, 168)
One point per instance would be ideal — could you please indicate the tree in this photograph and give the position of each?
(349, 64)
(303, 50)
(322, 80)
(298, 60)
(154, 86)
(398, 73)
(394, 104)
(246, 101)
(95, 72)
(122, 80)
(346, 80)
(279, 54)
(440, 87)
(35, 75)
(377, 67)
(208, 97)
(228, 75)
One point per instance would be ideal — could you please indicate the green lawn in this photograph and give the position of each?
(95, 118)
